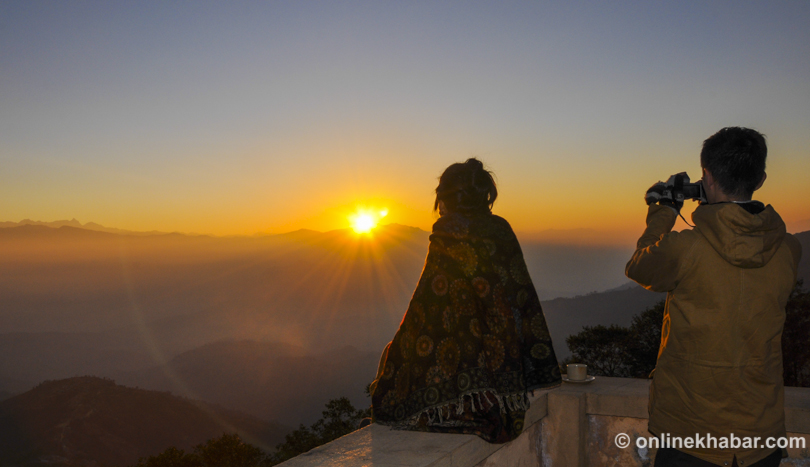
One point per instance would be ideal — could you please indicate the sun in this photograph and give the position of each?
(363, 220)
(362, 223)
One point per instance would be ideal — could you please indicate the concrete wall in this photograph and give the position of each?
(572, 426)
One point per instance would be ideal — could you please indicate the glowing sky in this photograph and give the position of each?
(246, 117)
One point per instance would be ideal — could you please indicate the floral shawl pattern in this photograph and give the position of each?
(473, 341)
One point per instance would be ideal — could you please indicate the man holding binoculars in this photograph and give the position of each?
(719, 368)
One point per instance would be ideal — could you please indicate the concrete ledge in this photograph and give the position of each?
(572, 425)
(620, 397)
(380, 446)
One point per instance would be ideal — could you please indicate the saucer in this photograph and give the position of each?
(588, 379)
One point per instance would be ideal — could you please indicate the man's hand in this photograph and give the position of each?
(665, 193)
(655, 193)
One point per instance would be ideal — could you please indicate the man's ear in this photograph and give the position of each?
(764, 176)
(707, 177)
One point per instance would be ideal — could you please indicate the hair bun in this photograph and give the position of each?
(474, 164)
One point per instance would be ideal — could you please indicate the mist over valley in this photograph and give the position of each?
(270, 326)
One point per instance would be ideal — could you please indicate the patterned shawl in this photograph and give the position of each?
(473, 341)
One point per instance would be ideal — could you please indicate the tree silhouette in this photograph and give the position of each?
(171, 457)
(604, 349)
(796, 338)
(229, 450)
(645, 340)
(339, 418)
(226, 451)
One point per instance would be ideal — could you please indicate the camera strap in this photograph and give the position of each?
(684, 219)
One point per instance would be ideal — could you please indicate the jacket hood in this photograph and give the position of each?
(743, 239)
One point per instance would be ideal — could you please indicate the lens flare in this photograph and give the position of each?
(364, 220)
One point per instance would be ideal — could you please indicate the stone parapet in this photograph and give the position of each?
(572, 425)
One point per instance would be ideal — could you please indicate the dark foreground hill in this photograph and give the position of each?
(87, 420)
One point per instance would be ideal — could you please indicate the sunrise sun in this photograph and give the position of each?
(363, 220)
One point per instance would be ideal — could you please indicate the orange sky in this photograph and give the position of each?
(274, 117)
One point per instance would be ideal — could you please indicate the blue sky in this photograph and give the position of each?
(236, 118)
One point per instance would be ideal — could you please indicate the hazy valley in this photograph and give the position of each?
(270, 326)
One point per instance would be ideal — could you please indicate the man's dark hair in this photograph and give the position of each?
(736, 158)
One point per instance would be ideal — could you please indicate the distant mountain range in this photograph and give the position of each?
(93, 421)
(78, 225)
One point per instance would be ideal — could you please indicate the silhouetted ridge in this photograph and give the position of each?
(42, 232)
(87, 419)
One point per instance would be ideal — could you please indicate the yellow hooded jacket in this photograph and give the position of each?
(719, 367)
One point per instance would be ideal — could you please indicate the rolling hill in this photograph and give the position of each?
(93, 421)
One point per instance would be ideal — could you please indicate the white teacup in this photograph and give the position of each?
(577, 371)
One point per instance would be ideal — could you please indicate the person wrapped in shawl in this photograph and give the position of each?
(474, 339)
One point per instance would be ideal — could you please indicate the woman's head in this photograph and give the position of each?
(466, 188)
